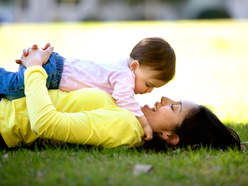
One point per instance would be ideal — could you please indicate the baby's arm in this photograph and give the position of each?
(146, 127)
(124, 95)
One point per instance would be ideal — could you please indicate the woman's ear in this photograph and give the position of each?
(172, 139)
(134, 65)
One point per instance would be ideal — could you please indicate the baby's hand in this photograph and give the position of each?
(146, 128)
(148, 133)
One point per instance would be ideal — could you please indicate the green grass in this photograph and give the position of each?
(78, 165)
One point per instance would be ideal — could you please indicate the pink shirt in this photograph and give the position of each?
(115, 78)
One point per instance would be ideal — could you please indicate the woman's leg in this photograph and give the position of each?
(12, 83)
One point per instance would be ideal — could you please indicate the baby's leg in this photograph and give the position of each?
(12, 83)
(54, 68)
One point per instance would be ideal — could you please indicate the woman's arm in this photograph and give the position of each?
(107, 127)
(44, 118)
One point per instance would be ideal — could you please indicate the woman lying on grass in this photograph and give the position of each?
(90, 116)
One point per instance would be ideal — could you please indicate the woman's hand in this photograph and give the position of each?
(26, 51)
(35, 56)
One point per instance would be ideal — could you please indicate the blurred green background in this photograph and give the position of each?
(212, 55)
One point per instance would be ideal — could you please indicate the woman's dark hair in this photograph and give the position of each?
(157, 54)
(203, 128)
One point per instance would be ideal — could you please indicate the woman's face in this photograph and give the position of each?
(166, 116)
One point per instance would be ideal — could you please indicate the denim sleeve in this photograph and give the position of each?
(12, 83)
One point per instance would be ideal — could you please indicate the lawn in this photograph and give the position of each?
(76, 165)
(212, 64)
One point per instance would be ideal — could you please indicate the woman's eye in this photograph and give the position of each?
(172, 107)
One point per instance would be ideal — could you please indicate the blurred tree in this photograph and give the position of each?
(214, 14)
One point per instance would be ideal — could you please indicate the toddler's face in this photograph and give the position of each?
(145, 81)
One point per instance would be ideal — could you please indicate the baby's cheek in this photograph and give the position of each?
(140, 88)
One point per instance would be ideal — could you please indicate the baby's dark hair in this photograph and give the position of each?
(158, 54)
(200, 128)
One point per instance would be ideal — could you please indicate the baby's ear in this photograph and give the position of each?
(134, 65)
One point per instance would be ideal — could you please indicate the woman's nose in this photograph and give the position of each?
(165, 100)
(149, 90)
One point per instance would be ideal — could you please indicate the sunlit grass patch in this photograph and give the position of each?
(77, 165)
